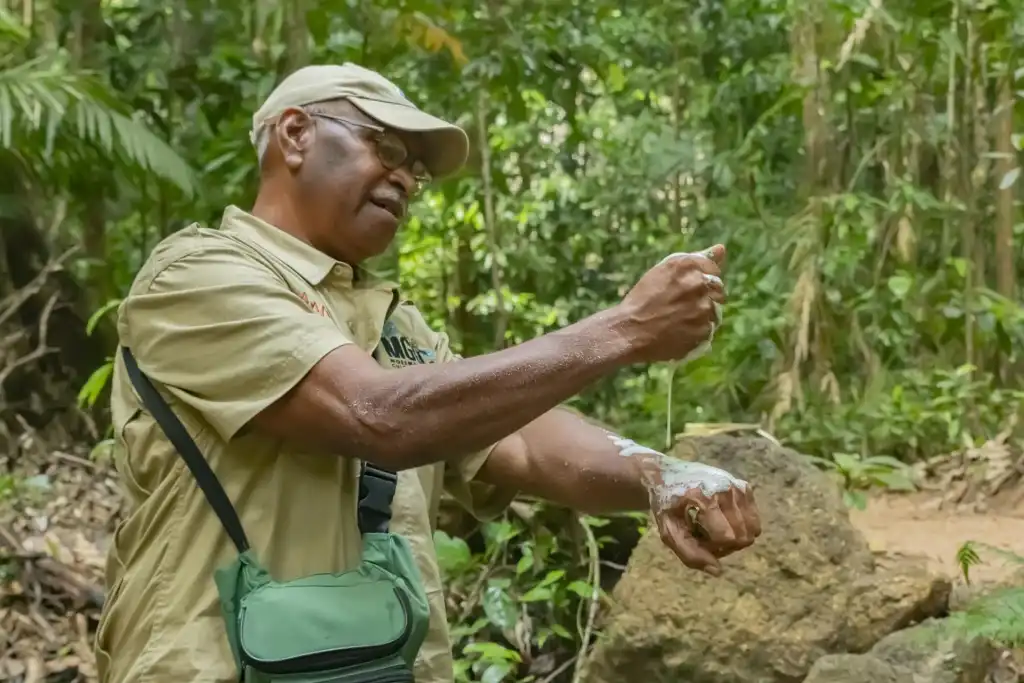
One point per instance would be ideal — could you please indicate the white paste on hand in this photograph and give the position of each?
(680, 476)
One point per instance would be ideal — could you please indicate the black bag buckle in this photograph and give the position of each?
(376, 492)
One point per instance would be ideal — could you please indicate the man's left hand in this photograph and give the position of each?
(703, 513)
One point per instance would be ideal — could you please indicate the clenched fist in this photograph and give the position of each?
(673, 309)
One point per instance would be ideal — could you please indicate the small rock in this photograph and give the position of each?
(924, 654)
(853, 669)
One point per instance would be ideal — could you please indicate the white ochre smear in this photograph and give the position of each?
(680, 476)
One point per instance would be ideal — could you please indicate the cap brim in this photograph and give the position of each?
(447, 146)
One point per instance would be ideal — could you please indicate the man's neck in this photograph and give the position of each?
(282, 214)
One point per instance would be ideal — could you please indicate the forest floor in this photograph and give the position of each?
(55, 529)
(914, 525)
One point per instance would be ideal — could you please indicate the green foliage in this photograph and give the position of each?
(527, 592)
(46, 105)
(966, 558)
(857, 475)
(915, 413)
(998, 615)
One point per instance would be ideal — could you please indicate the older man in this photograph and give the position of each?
(289, 366)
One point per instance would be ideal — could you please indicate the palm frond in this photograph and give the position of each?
(44, 96)
(11, 31)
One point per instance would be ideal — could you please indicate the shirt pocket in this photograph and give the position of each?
(130, 439)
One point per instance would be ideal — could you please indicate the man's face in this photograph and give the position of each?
(351, 201)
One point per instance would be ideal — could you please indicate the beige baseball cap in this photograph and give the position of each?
(447, 145)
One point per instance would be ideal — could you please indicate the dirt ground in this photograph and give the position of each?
(913, 525)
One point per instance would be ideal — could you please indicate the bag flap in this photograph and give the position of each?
(323, 614)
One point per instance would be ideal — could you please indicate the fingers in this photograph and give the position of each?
(751, 515)
(690, 552)
(732, 510)
(717, 295)
(718, 530)
(706, 261)
(699, 528)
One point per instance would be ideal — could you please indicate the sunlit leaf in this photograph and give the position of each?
(94, 319)
(899, 285)
(93, 387)
(499, 607)
(1010, 178)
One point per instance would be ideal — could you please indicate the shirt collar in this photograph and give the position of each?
(312, 264)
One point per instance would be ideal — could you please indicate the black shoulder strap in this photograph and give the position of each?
(376, 485)
(186, 447)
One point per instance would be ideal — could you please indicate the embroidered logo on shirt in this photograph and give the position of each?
(314, 306)
(401, 350)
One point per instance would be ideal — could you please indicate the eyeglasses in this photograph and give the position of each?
(391, 149)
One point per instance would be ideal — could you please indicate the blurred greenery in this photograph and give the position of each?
(859, 160)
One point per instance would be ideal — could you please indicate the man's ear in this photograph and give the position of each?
(295, 133)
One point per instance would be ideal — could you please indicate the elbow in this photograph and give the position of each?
(389, 439)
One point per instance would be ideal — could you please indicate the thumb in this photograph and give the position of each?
(715, 253)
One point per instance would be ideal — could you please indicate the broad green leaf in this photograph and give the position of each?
(453, 555)
(552, 577)
(581, 588)
(899, 285)
(855, 499)
(499, 607)
(537, 594)
(493, 652)
(93, 387)
(496, 672)
(616, 77)
(895, 481)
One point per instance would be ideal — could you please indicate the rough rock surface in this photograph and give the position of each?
(808, 588)
(923, 654)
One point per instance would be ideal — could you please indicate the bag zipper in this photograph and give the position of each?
(330, 659)
(397, 678)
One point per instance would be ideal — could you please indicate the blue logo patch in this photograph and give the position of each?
(401, 350)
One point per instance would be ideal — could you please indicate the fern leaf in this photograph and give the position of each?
(967, 557)
(43, 96)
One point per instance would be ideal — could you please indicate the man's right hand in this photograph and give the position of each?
(671, 310)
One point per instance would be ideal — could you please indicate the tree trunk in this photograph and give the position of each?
(1007, 158)
(86, 53)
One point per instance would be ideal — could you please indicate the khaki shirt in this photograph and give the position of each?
(227, 321)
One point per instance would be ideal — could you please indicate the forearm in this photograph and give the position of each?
(562, 458)
(470, 404)
(413, 416)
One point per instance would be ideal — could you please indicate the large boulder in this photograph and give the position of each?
(923, 654)
(808, 587)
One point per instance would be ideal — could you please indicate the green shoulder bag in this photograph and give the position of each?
(359, 626)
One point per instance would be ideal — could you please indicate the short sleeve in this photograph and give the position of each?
(223, 332)
(483, 500)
